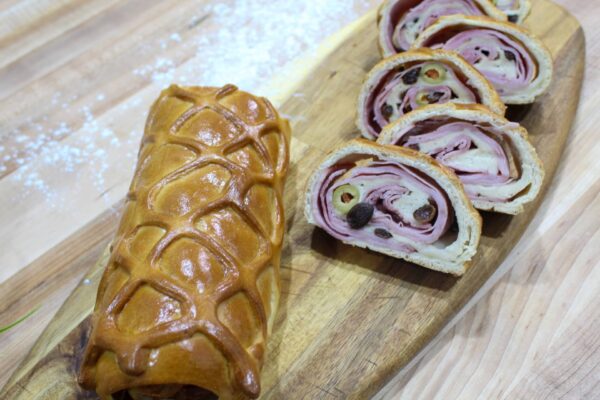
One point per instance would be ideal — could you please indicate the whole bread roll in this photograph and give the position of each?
(492, 156)
(191, 289)
(401, 21)
(516, 62)
(407, 81)
(395, 201)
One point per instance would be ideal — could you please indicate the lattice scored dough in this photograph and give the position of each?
(192, 285)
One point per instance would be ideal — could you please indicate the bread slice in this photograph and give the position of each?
(508, 197)
(391, 11)
(447, 27)
(472, 78)
(451, 253)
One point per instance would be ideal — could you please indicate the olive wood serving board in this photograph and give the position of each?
(349, 319)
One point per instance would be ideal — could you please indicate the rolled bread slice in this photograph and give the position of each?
(511, 58)
(492, 156)
(515, 10)
(401, 21)
(413, 79)
(395, 201)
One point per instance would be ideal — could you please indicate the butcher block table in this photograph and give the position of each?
(531, 331)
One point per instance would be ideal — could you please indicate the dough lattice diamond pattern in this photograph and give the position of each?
(170, 203)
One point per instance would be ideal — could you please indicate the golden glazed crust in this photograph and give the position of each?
(192, 284)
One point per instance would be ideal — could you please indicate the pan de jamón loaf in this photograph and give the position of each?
(492, 156)
(401, 21)
(395, 201)
(191, 288)
(511, 58)
(414, 79)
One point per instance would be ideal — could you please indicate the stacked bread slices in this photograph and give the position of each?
(439, 146)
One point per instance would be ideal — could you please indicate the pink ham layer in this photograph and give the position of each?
(444, 7)
(336, 225)
(460, 146)
(377, 99)
(493, 42)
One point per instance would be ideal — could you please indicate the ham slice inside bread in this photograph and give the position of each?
(416, 209)
(492, 157)
(516, 63)
(414, 79)
(515, 10)
(401, 21)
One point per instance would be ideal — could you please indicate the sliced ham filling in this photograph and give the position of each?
(398, 195)
(407, 24)
(501, 59)
(480, 156)
(406, 89)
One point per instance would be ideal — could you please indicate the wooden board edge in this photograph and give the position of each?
(63, 323)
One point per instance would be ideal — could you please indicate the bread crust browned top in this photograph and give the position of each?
(192, 284)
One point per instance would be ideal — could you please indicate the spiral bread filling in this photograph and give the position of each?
(406, 22)
(505, 62)
(410, 87)
(395, 203)
(516, 10)
(516, 63)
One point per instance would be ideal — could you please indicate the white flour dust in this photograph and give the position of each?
(58, 148)
(248, 43)
(254, 41)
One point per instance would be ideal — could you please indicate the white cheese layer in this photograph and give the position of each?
(397, 95)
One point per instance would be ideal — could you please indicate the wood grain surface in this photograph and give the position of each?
(339, 280)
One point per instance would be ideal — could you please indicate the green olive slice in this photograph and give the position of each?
(433, 73)
(345, 197)
(422, 99)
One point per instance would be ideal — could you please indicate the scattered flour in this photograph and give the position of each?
(254, 40)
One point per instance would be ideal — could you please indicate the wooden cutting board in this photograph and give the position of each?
(349, 319)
